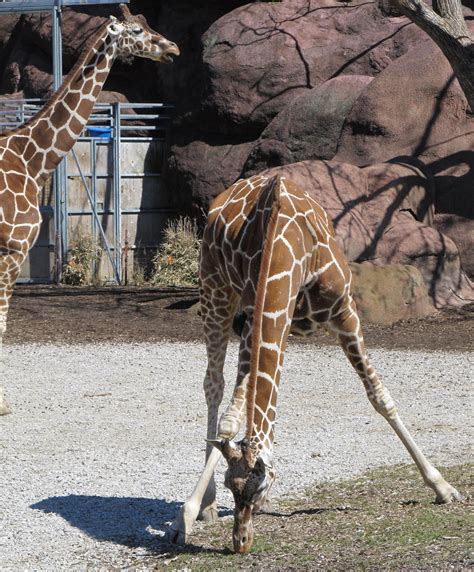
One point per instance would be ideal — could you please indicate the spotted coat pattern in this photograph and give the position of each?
(286, 275)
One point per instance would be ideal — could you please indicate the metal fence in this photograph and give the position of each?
(113, 126)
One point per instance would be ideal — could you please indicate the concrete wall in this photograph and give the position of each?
(146, 205)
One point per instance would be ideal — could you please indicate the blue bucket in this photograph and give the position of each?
(100, 132)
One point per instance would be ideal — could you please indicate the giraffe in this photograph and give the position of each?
(269, 253)
(30, 153)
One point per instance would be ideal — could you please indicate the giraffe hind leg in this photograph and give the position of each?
(347, 328)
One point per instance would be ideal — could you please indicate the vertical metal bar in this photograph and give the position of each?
(59, 179)
(57, 46)
(117, 187)
(93, 167)
(125, 259)
(96, 222)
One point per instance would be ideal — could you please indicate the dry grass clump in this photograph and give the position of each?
(84, 258)
(177, 261)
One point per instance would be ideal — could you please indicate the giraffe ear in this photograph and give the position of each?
(244, 445)
(226, 447)
(115, 28)
(249, 454)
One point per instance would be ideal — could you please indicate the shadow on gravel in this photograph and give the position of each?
(131, 521)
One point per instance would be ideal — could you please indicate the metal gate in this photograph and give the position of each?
(111, 191)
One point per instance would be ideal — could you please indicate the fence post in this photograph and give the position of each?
(117, 190)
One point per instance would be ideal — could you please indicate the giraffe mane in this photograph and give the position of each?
(261, 289)
(70, 77)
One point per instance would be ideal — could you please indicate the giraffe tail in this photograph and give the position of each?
(272, 190)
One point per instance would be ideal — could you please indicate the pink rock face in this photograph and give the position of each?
(388, 294)
(309, 127)
(461, 231)
(382, 214)
(7, 25)
(258, 58)
(205, 167)
(434, 254)
(413, 107)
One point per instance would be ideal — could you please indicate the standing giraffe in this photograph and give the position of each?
(30, 153)
(269, 251)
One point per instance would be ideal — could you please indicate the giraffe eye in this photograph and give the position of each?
(137, 31)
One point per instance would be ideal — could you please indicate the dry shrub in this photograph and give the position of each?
(84, 257)
(177, 261)
(138, 276)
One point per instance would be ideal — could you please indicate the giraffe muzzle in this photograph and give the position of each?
(242, 534)
(168, 55)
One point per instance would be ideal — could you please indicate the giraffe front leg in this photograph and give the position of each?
(181, 528)
(9, 270)
(205, 489)
(347, 327)
(218, 304)
(4, 407)
(213, 390)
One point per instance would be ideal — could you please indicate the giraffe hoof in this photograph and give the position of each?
(176, 536)
(450, 495)
(209, 514)
(4, 408)
(266, 507)
(182, 526)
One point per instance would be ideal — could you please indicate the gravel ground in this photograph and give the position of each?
(106, 440)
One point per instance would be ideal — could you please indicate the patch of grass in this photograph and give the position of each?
(177, 260)
(384, 520)
(84, 259)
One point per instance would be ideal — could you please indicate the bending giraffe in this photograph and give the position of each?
(269, 251)
(30, 153)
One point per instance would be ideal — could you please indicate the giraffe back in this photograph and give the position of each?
(237, 222)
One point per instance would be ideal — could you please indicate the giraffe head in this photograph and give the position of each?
(249, 479)
(135, 38)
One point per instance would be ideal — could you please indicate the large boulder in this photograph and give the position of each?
(7, 25)
(461, 231)
(201, 166)
(388, 294)
(309, 126)
(399, 213)
(258, 58)
(434, 254)
(454, 205)
(413, 107)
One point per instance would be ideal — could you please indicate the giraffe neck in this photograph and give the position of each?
(52, 132)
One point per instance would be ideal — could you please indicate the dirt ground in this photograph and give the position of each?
(57, 314)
